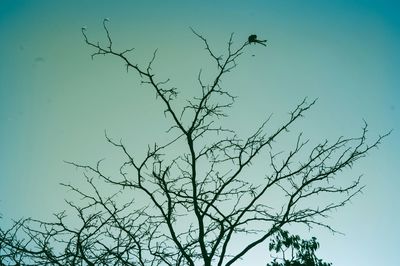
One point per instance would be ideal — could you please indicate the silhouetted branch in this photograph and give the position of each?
(198, 199)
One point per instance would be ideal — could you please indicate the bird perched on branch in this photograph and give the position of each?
(253, 39)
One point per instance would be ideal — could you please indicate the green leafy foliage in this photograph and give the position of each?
(294, 251)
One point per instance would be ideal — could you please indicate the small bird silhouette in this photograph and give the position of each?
(253, 39)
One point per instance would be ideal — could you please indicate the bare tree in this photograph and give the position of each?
(202, 200)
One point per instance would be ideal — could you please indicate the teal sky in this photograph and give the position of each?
(55, 102)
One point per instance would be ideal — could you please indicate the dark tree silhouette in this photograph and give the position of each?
(200, 202)
(294, 251)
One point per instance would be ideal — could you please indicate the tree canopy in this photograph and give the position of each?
(199, 198)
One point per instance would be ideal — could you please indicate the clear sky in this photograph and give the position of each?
(55, 102)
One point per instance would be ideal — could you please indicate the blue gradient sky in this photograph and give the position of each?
(55, 102)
